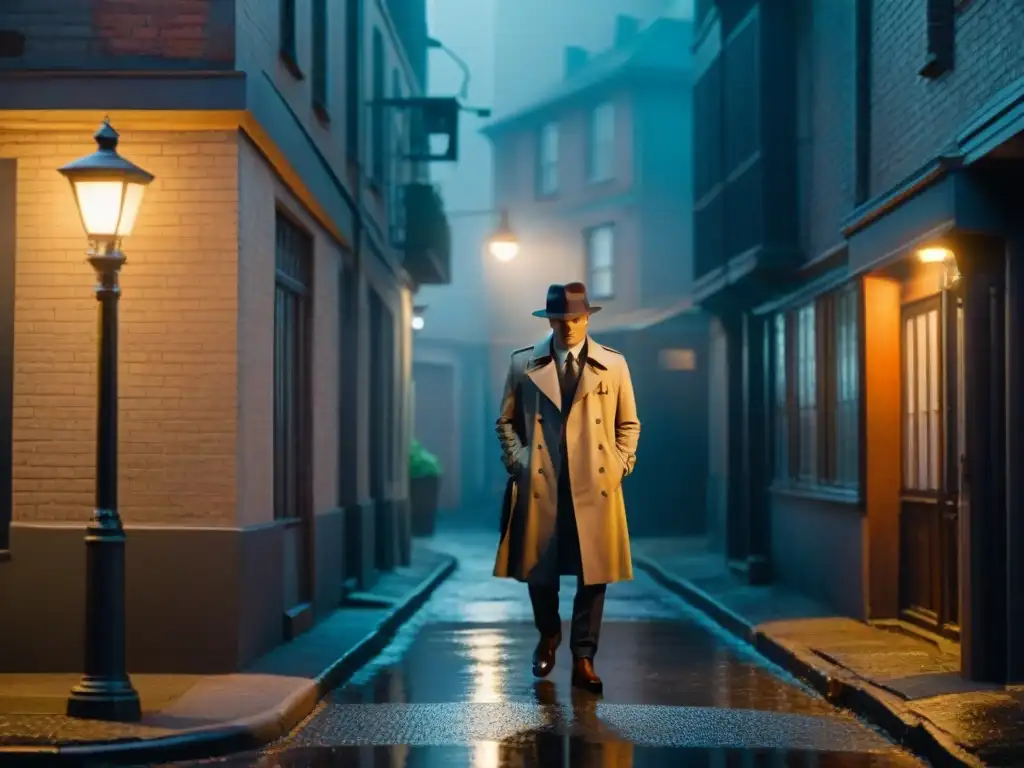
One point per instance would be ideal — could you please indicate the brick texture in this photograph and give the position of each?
(826, 86)
(178, 334)
(913, 118)
(96, 33)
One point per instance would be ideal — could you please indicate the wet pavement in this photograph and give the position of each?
(455, 689)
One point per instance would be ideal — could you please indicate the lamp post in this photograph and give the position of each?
(503, 243)
(108, 192)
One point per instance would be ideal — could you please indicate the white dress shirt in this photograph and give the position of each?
(562, 354)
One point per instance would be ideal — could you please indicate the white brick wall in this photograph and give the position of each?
(178, 315)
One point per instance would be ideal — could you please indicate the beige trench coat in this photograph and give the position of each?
(602, 432)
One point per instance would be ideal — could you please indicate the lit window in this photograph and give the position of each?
(601, 261)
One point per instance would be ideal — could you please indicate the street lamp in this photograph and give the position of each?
(417, 317)
(108, 192)
(503, 243)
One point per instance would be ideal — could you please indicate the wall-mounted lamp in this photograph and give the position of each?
(936, 255)
(944, 256)
(417, 317)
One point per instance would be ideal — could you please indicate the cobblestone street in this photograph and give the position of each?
(455, 688)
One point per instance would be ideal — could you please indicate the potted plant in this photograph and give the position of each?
(424, 489)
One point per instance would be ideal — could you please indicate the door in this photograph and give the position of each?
(929, 589)
(292, 412)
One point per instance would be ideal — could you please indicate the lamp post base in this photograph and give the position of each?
(97, 698)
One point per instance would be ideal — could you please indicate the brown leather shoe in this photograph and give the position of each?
(544, 655)
(584, 676)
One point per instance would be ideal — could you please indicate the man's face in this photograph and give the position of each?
(570, 331)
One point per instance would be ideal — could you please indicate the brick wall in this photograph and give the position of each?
(178, 334)
(914, 118)
(97, 33)
(826, 98)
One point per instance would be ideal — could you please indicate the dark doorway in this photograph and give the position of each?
(348, 386)
(8, 248)
(292, 413)
(437, 425)
(930, 331)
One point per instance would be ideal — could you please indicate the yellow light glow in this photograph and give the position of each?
(486, 754)
(935, 255)
(108, 208)
(504, 250)
(417, 323)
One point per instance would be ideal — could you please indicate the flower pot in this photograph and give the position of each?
(424, 493)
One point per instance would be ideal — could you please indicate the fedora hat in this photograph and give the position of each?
(569, 300)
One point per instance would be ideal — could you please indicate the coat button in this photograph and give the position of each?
(604, 493)
(600, 447)
(540, 419)
(540, 447)
(601, 470)
(598, 421)
(536, 495)
(540, 471)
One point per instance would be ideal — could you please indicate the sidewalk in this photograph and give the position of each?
(191, 716)
(904, 683)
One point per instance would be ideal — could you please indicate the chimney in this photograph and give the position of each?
(575, 59)
(626, 28)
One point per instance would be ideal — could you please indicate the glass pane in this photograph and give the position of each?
(933, 442)
(933, 359)
(921, 363)
(602, 282)
(908, 365)
(910, 448)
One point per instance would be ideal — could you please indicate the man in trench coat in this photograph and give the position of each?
(568, 430)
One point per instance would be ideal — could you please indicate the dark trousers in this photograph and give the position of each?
(587, 611)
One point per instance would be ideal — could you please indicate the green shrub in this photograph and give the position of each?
(422, 463)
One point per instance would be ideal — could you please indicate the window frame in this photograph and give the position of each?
(353, 73)
(288, 46)
(818, 412)
(589, 235)
(547, 167)
(601, 148)
(320, 68)
(378, 133)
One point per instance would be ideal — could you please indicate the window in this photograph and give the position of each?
(287, 45)
(941, 40)
(601, 261)
(845, 469)
(294, 252)
(379, 132)
(8, 243)
(547, 160)
(320, 67)
(782, 426)
(806, 393)
(353, 72)
(815, 370)
(921, 399)
(601, 149)
(397, 165)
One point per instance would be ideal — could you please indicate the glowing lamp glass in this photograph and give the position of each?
(935, 255)
(504, 250)
(108, 208)
(417, 323)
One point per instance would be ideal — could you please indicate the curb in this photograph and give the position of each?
(244, 735)
(839, 686)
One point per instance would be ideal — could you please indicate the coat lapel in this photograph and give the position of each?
(594, 374)
(544, 373)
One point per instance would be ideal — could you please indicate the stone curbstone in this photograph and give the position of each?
(836, 684)
(242, 735)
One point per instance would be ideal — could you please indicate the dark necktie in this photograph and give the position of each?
(570, 377)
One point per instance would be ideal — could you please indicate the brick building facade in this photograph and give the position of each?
(265, 342)
(867, 303)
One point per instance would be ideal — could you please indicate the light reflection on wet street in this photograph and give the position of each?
(455, 689)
